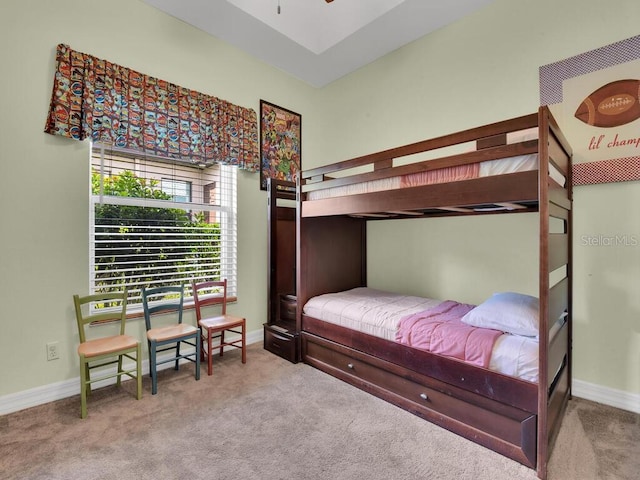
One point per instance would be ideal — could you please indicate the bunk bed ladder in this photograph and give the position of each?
(554, 387)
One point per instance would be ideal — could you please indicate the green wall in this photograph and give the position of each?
(481, 69)
(44, 179)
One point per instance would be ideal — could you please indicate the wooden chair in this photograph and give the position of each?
(216, 326)
(100, 352)
(168, 337)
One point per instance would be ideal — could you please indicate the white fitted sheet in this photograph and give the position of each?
(379, 313)
(521, 163)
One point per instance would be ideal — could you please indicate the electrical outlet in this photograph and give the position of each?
(52, 351)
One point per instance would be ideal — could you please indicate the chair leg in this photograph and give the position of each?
(221, 342)
(154, 372)
(119, 377)
(83, 388)
(209, 356)
(244, 342)
(177, 366)
(87, 378)
(197, 342)
(149, 350)
(139, 370)
(202, 349)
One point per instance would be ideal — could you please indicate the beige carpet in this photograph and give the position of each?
(270, 419)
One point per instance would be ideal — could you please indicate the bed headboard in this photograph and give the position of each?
(332, 253)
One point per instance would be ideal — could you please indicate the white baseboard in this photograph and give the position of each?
(67, 388)
(608, 396)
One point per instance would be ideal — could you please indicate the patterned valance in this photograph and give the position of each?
(118, 106)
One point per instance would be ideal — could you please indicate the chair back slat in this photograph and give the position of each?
(172, 300)
(201, 299)
(84, 316)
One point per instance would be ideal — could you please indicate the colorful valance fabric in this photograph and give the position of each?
(114, 105)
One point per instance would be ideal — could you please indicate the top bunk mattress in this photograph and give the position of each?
(520, 163)
(381, 314)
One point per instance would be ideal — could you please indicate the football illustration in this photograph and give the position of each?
(614, 104)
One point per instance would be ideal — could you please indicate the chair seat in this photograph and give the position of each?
(169, 332)
(221, 321)
(106, 345)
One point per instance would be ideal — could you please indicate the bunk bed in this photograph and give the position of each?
(516, 417)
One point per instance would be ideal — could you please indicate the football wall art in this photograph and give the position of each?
(280, 143)
(595, 96)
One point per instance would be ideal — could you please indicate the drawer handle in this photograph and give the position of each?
(350, 365)
(424, 396)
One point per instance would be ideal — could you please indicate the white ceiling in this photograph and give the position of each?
(315, 41)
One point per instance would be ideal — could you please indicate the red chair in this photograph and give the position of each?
(215, 293)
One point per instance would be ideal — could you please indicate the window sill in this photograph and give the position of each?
(139, 313)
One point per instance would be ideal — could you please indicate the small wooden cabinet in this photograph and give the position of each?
(281, 334)
(281, 341)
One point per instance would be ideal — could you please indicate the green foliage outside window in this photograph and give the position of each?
(138, 246)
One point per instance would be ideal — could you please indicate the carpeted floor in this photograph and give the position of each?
(270, 419)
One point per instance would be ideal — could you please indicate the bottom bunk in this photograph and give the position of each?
(491, 408)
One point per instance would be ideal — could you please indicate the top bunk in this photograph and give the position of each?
(502, 167)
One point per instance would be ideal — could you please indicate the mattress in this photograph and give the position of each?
(378, 313)
(521, 163)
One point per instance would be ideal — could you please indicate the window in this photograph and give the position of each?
(160, 222)
(178, 190)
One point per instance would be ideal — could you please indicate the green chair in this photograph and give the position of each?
(98, 352)
(168, 337)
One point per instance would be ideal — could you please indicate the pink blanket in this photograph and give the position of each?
(440, 330)
(441, 175)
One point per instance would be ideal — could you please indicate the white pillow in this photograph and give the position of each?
(510, 312)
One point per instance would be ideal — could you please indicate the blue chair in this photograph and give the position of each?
(169, 337)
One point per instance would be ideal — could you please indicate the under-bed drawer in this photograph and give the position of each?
(503, 428)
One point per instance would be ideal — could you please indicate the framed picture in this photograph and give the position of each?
(280, 143)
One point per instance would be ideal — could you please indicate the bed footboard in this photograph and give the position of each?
(500, 427)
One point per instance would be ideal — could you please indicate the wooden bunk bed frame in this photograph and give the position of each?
(516, 418)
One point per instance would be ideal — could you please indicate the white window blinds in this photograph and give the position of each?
(157, 222)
